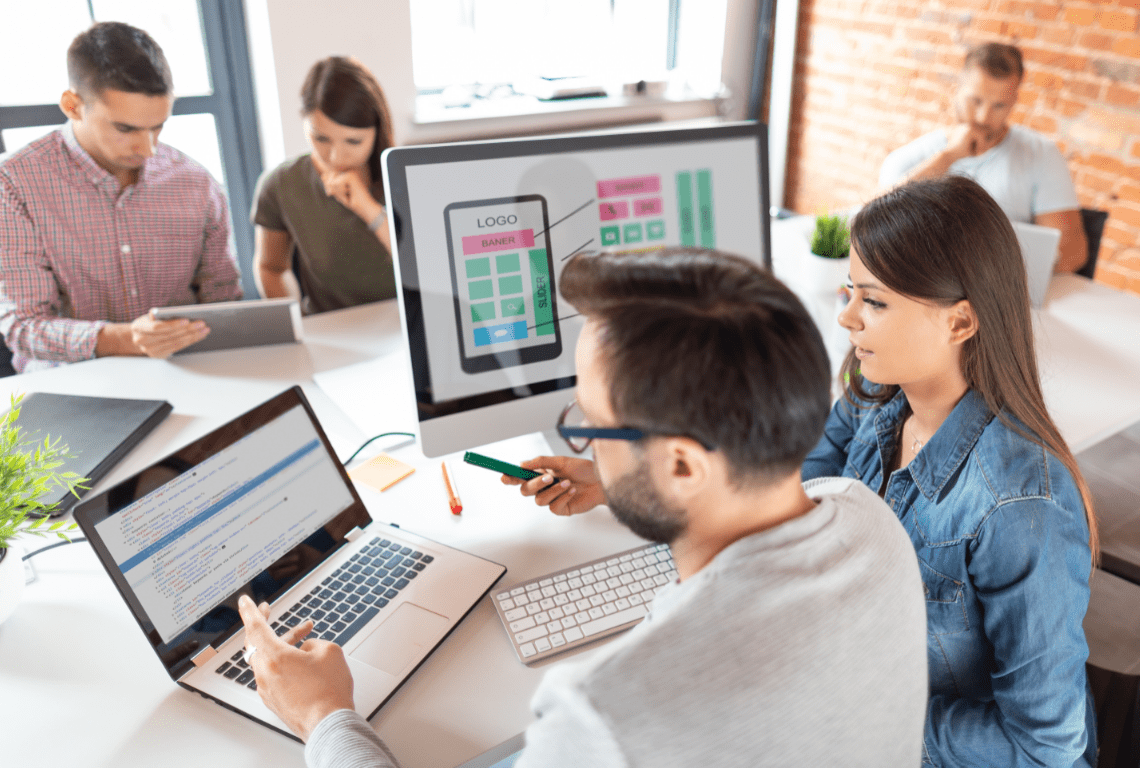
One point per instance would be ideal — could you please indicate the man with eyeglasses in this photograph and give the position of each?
(796, 632)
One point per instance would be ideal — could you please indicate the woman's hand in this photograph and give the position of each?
(351, 189)
(577, 491)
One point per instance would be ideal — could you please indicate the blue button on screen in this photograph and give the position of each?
(493, 334)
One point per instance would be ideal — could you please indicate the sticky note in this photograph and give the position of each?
(381, 472)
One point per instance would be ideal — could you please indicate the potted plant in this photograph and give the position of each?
(28, 470)
(831, 253)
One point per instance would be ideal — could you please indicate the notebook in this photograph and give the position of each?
(261, 506)
(98, 431)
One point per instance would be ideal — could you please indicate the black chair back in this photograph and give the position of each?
(1093, 222)
(1117, 698)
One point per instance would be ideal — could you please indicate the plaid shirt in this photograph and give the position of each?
(77, 252)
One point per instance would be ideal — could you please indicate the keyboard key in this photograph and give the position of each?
(354, 557)
(356, 626)
(281, 630)
(321, 627)
(596, 613)
(521, 624)
(223, 668)
(245, 677)
(406, 551)
(635, 599)
(514, 614)
(352, 599)
(359, 607)
(621, 604)
(542, 645)
(391, 593)
(339, 596)
(568, 621)
(527, 650)
(233, 672)
(326, 594)
(381, 602)
(573, 634)
(252, 685)
(368, 599)
(328, 635)
(416, 555)
(292, 621)
(546, 603)
(528, 635)
(557, 640)
(411, 574)
(364, 560)
(306, 598)
(556, 613)
(542, 617)
(387, 581)
(359, 579)
(419, 566)
(336, 585)
(369, 571)
(363, 589)
(636, 613)
(426, 559)
(398, 572)
(304, 613)
(372, 581)
(339, 626)
(408, 562)
(382, 542)
(608, 609)
(561, 599)
(332, 617)
(237, 656)
(401, 583)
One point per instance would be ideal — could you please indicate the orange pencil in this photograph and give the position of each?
(452, 495)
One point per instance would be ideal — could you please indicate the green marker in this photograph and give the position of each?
(486, 462)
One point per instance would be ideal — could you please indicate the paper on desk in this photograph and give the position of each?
(381, 472)
(376, 395)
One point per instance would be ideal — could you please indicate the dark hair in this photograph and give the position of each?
(116, 56)
(996, 60)
(347, 93)
(946, 240)
(710, 346)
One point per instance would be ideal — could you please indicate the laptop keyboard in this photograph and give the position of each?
(565, 609)
(347, 600)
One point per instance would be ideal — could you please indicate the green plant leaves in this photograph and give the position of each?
(831, 238)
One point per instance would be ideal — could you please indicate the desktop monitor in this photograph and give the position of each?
(481, 230)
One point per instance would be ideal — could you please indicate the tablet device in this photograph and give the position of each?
(236, 324)
(502, 756)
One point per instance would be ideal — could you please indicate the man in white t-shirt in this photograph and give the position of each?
(1023, 170)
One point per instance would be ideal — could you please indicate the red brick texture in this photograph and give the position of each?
(871, 75)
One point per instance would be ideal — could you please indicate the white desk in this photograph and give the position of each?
(79, 685)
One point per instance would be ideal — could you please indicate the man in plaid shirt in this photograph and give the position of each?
(99, 222)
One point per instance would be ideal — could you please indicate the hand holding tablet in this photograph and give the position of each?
(234, 324)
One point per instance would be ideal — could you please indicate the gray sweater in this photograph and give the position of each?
(801, 645)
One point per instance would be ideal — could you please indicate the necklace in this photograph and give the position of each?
(916, 446)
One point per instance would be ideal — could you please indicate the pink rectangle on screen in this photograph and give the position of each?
(647, 206)
(619, 209)
(499, 241)
(635, 185)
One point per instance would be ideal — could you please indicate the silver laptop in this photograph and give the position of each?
(1039, 248)
(262, 507)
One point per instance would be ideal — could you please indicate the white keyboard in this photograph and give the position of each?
(563, 610)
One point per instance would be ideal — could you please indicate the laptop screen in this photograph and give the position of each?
(251, 508)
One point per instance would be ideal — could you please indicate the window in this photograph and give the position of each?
(468, 50)
(205, 43)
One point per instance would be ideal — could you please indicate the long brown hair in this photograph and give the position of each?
(946, 240)
(347, 93)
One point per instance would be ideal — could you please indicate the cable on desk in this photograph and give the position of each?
(41, 550)
(348, 461)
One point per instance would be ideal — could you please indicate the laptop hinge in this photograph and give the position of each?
(204, 655)
(354, 534)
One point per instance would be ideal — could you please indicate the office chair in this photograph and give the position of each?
(1093, 221)
(6, 368)
(1117, 699)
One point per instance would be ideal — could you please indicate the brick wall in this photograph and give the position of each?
(873, 74)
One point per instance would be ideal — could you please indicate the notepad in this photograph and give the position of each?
(381, 472)
(98, 431)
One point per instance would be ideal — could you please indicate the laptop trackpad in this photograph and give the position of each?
(405, 637)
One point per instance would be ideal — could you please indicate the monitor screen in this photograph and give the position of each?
(481, 231)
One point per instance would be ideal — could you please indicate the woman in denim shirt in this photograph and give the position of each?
(995, 505)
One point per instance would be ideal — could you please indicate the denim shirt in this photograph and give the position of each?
(999, 528)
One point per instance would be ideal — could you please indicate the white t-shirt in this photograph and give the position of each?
(1025, 173)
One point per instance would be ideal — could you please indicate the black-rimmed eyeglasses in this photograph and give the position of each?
(573, 429)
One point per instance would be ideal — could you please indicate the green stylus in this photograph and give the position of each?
(486, 462)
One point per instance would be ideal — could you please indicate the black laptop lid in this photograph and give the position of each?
(251, 508)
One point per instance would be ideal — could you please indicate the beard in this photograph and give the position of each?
(636, 504)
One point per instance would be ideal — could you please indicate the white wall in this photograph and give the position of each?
(378, 32)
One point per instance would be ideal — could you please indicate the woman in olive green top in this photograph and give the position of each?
(321, 226)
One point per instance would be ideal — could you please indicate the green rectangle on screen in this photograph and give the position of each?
(513, 306)
(705, 209)
(509, 285)
(541, 289)
(478, 267)
(685, 208)
(631, 233)
(507, 262)
(484, 311)
(481, 289)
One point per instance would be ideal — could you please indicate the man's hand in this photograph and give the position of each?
(162, 338)
(147, 336)
(578, 491)
(965, 140)
(302, 685)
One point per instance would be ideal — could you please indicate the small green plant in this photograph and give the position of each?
(27, 472)
(831, 239)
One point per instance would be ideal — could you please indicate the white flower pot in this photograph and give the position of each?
(826, 276)
(11, 580)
